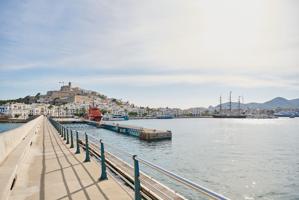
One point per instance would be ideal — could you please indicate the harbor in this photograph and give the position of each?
(211, 151)
(149, 100)
(52, 157)
(171, 154)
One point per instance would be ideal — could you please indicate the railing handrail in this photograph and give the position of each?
(110, 145)
(169, 174)
(185, 181)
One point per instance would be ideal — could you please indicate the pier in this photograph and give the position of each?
(147, 134)
(140, 132)
(42, 166)
(45, 160)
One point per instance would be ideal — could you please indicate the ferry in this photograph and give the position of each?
(115, 117)
(165, 117)
(289, 114)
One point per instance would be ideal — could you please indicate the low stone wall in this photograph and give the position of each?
(9, 140)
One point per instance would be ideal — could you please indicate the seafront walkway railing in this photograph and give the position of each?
(144, 186)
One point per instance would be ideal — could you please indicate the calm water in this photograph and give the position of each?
(239, 158)
(8, 126)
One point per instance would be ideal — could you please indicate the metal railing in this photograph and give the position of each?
(67, 135)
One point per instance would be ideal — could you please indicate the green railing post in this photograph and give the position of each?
(64, 135)
(60, 130)
(87, 156)
(67, 136)
(72, 140)
(136, 179)
(77, 143)
(103, 163)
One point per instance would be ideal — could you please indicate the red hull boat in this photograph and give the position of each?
(94, 114)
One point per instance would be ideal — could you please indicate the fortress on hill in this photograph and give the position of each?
(69, 94)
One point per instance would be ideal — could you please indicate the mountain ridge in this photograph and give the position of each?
(275, 103)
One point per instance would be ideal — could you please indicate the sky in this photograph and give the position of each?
(175, 53)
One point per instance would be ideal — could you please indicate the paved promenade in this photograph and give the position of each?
(52, 171)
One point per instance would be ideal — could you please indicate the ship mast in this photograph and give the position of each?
(230, 101)
(220, 105)
(239, 105)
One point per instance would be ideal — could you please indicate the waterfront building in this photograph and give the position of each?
(16, 110)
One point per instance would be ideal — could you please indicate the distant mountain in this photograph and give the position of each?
(278, 102)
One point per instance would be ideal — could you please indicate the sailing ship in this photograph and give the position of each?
(229, 114)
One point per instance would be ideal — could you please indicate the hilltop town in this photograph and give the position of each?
(71, 101)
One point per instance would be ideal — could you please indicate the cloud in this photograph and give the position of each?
(155, 80)
(248, 44)
(232, 35)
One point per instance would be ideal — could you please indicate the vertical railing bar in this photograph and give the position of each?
(103, 163)
(64, 135)
(136, 179)
(77, 143)
(72, 140)
(87, 156)
(67, 136)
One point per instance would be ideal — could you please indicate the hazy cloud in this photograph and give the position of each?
(253, 43)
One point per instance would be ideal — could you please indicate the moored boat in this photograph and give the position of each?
(115, 117)
(228, 116)
(165, 117)
(94, 114)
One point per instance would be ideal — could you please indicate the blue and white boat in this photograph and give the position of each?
(286, 114)
(115, 117)
(165, 117)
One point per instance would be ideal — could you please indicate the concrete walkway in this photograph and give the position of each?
(53, 171)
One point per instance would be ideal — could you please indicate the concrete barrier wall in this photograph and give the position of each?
(10, 139)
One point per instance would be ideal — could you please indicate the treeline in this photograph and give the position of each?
(19, 100)
(27, 100)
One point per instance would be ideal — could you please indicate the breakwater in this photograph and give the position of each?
(14, 148)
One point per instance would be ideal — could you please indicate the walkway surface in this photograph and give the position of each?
(53, 171)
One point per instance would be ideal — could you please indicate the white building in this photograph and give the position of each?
(4, 109)
(16, 110)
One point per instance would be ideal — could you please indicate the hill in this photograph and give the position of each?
(278, 102)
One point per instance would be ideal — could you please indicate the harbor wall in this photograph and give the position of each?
(10, 139)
